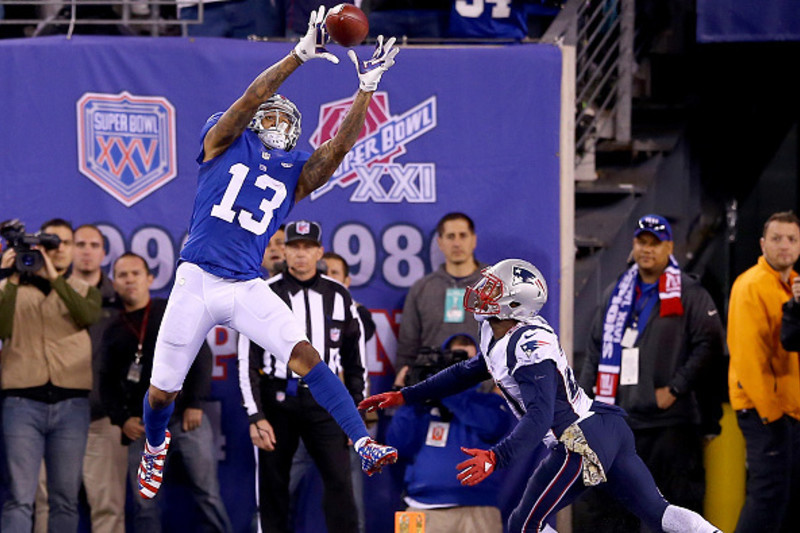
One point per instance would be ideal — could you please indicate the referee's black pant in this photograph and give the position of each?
(294, 414)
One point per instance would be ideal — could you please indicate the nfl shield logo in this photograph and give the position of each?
(303, 227)
(335, 334)
(126, 143)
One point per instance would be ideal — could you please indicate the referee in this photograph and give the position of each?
(280, 405)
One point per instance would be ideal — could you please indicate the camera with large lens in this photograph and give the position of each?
(431, 360)
(28, 260)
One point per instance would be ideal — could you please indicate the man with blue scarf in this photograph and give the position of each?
(653, 347)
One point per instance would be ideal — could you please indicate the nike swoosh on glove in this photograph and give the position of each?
(370, 71)
(477, 468)
(383, 400)
(312, 44)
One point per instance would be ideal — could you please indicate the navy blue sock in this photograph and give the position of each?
(156, 421)
(330, 393)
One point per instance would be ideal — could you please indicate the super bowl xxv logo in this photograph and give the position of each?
(370, 164)
(126, 143)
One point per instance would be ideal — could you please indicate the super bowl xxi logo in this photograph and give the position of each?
(126, 143)
(370, 164)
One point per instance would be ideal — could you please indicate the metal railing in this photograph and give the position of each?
(50, 13)
(602, 32)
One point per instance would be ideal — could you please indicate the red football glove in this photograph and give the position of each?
(476, 469)
(383, 400)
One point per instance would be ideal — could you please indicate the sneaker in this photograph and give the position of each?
(375, 456)
(151, 469)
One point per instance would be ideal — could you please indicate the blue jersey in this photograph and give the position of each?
(243, 196)
(501, 19)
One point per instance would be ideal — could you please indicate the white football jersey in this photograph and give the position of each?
(529, 343)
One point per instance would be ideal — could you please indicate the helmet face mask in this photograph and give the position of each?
(511, 289)
(482, 297)
(285, 130)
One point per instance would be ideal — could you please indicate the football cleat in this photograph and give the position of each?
(375, 456)
(151, 469)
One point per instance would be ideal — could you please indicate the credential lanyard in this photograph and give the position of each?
(135, 371)
(641, 303)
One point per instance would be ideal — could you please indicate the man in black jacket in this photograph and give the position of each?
(654, 343)
(790, 325)
(280, 405)
(125, 368)
(105, 464)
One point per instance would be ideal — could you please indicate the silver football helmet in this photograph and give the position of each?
(512, 288)
(284, 134)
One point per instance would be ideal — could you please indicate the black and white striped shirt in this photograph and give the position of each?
(333, 327)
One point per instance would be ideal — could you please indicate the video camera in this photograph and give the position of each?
(431, 360)
(28, 259)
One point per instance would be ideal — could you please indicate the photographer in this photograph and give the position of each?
(429, 439)
(47, 374)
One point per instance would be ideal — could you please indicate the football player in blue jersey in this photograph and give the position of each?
(250, 177)
(593, 445)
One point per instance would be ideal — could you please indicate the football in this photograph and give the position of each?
(347, 25)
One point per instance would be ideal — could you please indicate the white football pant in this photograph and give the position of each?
(199, 301)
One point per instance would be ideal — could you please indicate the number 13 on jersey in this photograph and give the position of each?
(224, 209)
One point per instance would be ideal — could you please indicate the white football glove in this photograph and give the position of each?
(370, 71)
(312, 44)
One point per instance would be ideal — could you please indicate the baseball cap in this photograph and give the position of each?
(655, 224)
(303, 230)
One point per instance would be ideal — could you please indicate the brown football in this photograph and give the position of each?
(347, 25)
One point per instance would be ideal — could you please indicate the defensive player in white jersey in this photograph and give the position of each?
(594, 445)
(249, 180)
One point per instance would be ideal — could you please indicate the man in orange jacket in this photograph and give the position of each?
(764, 381)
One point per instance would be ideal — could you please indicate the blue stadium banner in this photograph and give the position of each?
(106, 130)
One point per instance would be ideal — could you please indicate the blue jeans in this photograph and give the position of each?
(773, 473)
(57, 433)
(236, 18)
(196, 449)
